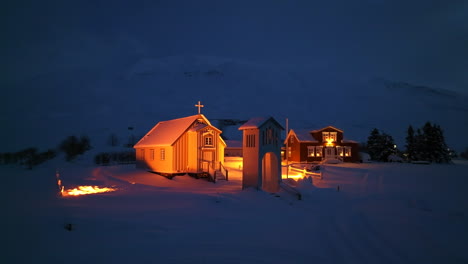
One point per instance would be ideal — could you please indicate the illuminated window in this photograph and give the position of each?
(152, 154)
(325, 136)
(163, 154)
(332, 136)
(318, 151)
(347, 151)
(209, 141)
(339, 149)
(310, 151)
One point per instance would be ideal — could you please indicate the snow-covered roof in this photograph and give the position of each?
(165, 133)
(198, 127)
(304, 135)
(257, 122)
(332, 127)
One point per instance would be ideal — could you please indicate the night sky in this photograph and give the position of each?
(418, 41)
(421, 42)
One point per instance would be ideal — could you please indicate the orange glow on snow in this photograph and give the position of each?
(293, 176)
(84, 190)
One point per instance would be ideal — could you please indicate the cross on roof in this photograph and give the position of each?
(199, 105)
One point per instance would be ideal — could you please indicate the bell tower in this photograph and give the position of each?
(261, 146)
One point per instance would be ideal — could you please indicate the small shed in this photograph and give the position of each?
(262, 153)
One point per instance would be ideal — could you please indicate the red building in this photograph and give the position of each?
(324, 144)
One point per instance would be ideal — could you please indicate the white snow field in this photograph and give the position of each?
(382, 213)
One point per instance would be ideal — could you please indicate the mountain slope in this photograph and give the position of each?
(147, 90)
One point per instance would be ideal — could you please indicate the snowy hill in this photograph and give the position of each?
(148, 90)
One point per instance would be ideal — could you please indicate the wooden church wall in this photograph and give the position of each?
(192, 157)
(180, 154)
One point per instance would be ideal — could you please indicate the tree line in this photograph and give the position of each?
(423, 144)
(71, 146)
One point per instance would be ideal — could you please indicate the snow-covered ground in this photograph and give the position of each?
(382, 213)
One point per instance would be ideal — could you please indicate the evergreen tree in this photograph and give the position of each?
(410, 143)
(429, 144)
(380, 145)
(373, 144)
(441, 150)
(387, 146)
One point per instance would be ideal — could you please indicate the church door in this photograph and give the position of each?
(207, 160)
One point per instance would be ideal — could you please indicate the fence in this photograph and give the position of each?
(305, 171)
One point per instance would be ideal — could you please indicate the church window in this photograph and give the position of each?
(152, 154)
(209, 141)
(163, 154)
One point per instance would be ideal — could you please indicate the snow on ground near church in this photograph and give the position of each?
(383, 213)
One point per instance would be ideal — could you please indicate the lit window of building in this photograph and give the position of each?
(325, 136)
(340, 150)
(163, 154)
(310, 151)
(318, 151)
(347, 151)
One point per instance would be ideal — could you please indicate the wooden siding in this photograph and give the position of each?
(318, 134)
(251, 164)
(181, 156)
(299, 150)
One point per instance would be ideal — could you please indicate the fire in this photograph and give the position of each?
(80, 190)
(84, 190)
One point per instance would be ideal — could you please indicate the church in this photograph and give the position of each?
(184, 145)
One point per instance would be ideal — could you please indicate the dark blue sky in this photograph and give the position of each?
(417, 41)
(72, 66)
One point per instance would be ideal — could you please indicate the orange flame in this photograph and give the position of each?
(84, 190)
